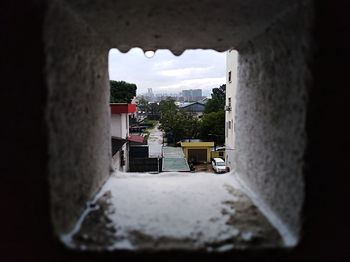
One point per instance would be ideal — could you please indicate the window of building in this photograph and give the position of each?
(229, 77)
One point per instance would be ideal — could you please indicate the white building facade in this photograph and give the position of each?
(230, 106)
(120, 133)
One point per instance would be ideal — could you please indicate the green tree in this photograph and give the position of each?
(213, 126)
(217, 101)
(179, 123)
(190, 124)
(167, 105)
(153, 108)
(122, 92)
(142, 105)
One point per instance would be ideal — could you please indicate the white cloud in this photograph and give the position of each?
(164, 72)
(185, 72)
(206, 84)
(163, 65)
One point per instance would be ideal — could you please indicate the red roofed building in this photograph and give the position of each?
(120, 133)
(137, 139)
(123, 108)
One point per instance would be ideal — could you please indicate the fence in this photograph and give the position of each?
(145, 164)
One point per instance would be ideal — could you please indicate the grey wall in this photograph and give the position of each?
(273, 78)
(77, 113)
(77, 38)
(27, 233)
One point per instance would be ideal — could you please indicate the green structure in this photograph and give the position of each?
(174, 160)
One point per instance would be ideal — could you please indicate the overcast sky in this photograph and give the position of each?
(167, 73)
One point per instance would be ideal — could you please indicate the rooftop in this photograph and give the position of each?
(122, 108)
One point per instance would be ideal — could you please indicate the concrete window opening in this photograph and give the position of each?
(258, 204)
(167, 211)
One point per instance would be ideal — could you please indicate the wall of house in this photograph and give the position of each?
(77, 113)
(77, 78)
(231, 86)
(120, 128)
(116, 160)
(273, 79)
(116, 121)
(120, 125)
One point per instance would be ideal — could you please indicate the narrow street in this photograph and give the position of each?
(155, 141)
(197, 211)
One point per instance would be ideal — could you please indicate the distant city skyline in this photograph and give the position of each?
(166, 73)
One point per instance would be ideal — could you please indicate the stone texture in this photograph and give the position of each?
(77, 79)
(77, 114)
(179, 24)
(273, 79)
(26, 227)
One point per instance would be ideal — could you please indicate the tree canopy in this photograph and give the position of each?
(213, 126)
(142, 104)
(167, 105)
(213, 120)
(217, 101)
(177, 122)
(122, 92)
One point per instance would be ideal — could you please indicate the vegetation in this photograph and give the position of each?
(181, 124)
(167, 105)
(142, 104)
(153, 108)
(213, 126)
(146, 134)
(217, 101)
(177, 123)
(150, 123)
(213, 120)
(122, 92)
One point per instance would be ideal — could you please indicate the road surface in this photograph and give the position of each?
(155, 142)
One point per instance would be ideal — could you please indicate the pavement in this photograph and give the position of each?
(155, 142)
(207, 168)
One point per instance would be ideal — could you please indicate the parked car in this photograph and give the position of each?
(218, 165)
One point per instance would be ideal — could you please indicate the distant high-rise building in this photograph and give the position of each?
(192, 94)
(150, 95)
(150, 92)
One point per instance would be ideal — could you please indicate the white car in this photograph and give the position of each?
(218, 165)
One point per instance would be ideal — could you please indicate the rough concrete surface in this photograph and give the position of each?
(155, 142)
(187, 24)
(273, 78)
(185, 211)
(77, 38)
(27, 232)
(77, 114)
